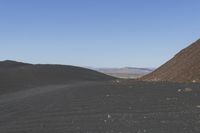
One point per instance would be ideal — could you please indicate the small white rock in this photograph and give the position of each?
(185, 90)
(117, 81)
(179, 90)
(107, 95)
(109, 116)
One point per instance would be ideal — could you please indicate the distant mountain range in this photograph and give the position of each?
(126, 72)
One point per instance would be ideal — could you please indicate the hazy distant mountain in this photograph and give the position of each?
(126, 72)
(184, 67)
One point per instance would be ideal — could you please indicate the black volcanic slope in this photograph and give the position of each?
(16, 75)
(103, 107)
(184, 67)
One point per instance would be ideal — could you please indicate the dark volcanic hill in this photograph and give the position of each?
(184, 67)
(17, 75)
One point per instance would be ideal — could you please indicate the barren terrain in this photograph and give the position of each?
(118, 106)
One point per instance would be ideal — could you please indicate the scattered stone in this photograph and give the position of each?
(172, 98)
(194, 81)
(179, 90)
(109, 116)
(117, 81)
(168, 98)
(78, 128)
(163, 122)
(142, 131)
(107, 95)
(130, 87)
(185, 90)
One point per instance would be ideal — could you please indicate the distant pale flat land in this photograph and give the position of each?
(126, 72)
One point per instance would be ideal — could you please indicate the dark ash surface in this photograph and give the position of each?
(118, 106)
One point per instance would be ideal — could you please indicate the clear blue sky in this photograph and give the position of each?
(98, 33)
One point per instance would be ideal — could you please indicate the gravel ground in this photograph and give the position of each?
(118, 106)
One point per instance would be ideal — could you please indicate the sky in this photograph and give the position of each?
(97, 33)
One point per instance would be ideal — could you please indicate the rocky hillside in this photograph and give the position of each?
(184, 67)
